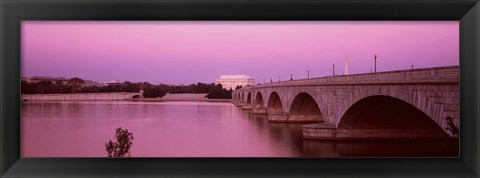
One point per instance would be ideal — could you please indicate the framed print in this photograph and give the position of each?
(239, 88)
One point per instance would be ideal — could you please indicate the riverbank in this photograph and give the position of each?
(183, 97)
(119, 96)
(114, 96)
(166, 100)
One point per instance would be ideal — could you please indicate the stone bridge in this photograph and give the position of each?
(415, 103)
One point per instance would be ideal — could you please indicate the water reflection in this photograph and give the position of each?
(187, 129)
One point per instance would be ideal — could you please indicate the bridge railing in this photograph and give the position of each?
(430, 75)
(419, 75)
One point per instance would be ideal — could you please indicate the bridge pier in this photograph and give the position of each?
(259, 110)
(384, 134)
(237, 103)
(304, 118)
(321, 131)
(277, 117)
(285, 117)
(247, 107)
(328, 131)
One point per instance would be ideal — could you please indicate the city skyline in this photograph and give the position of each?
(191, 52)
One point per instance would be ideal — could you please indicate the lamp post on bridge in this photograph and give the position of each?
(308, 74)
(375, 57)
(333, 67)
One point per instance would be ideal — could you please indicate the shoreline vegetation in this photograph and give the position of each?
(100, 97)
(77, 86)
(172, 100)
(183, 97)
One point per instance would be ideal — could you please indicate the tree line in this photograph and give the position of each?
(75, 85)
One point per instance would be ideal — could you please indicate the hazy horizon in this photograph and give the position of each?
(190, 52)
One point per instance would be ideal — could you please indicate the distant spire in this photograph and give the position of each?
(346, 66)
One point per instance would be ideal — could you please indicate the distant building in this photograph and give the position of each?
(115, 82)
(232, 81)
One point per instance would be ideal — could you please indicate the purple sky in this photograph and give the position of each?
(189, 52)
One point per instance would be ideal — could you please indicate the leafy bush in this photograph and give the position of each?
(451, 127)
(121, 147)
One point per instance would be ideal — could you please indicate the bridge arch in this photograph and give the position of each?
(387, 117)
(259, 101)
(304, 108)
(249, 98)
(274, 104)
(243, 98)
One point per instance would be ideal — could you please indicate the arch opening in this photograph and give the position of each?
(387, 117)
(259, 101)
(136, 96)
(274, 104)
(249, 98)
(304, 108)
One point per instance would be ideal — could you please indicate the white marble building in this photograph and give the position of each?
(232, 81)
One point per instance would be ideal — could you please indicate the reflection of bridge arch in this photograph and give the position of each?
(305, 109)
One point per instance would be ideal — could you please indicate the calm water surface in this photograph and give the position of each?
(187, 129)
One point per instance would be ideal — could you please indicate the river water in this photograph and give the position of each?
(188, 129)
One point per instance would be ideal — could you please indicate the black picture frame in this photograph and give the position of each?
(12, 12)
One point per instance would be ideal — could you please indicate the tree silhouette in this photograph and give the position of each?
(451, 127)
(75, 83)
(121, 147)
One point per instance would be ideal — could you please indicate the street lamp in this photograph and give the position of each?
(375, 63)
(333, 67)
(308, 74)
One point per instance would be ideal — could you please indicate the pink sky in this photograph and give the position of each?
(189, 52)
